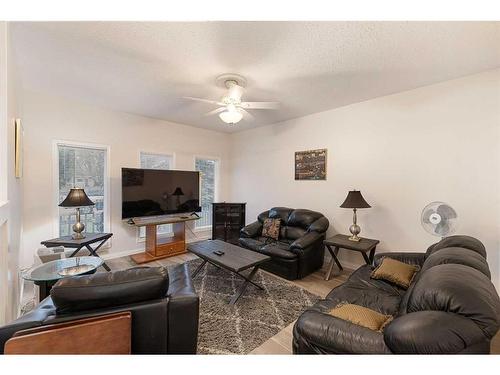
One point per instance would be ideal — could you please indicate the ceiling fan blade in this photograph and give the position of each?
(215, 111)
(203, 100)
(260, 105)
(246, 115)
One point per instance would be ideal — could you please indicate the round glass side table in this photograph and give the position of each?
(47, 274)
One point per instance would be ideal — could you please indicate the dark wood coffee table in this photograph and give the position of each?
(235, 260)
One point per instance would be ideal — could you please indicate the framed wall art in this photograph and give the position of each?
(310, 165)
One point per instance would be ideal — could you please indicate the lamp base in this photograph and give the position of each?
(355, 230)
(78, 236)
(78, 228)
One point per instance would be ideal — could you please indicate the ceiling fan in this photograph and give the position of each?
(231, 109)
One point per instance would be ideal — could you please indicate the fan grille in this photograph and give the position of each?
(439, 219)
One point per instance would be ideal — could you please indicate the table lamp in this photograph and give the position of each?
(354, 200)
(77, 198)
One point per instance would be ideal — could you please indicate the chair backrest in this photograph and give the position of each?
(110, 289)
(295, 223)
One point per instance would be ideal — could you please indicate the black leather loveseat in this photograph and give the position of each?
(164, 307)
(299, 249)
(450, 307)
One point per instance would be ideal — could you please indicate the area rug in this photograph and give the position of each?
(257, 315)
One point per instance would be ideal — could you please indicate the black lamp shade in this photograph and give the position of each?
(355, 200)
(76, 198)
(178, 191)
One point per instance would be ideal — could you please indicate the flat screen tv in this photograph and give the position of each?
(152, 192)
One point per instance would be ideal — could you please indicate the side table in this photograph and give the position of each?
(341, 241)
(47, 274)
(90, 238)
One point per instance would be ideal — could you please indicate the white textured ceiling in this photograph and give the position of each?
(147, 67)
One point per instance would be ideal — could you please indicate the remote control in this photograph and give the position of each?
(218, 252)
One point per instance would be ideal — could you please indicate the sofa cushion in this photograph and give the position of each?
(279, 250)
(254, 244)
(361, 290)
(262, 216)
(457, 255)
(108, 289)
(294, 233)
(303, 218)
(466, 242)
(280, 213)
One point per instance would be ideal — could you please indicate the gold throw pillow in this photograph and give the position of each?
(395, 271)
(361, 316)
(271, 228)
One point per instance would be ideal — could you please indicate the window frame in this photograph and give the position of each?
(139, 238)
(55, 180)
(218, 167)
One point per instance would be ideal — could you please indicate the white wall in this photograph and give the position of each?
(439, 142)
(10, 187)
(49, 118)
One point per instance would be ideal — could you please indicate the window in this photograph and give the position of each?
(208, 172)
(85, 167)
(156, 161)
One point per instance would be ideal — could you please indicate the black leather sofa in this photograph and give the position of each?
(164, 307)
(450, 307)
(299, 249)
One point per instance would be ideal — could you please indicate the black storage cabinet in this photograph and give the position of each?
(227, 220)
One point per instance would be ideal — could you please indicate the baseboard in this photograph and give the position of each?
(125, 253)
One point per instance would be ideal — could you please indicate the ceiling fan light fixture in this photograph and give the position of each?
(231, 117)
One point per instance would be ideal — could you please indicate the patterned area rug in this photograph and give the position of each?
(257, 315)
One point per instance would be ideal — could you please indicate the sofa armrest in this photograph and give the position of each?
(416, 259)
(432, 332)
(251, 230)
(317, 332)
(302, 244)
(183, 312)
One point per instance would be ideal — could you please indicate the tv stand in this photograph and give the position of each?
(159, 248)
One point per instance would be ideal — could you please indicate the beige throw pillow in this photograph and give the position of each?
(361, 316)
(395, 271)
